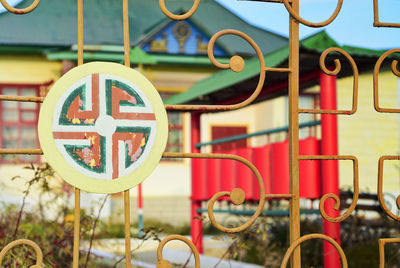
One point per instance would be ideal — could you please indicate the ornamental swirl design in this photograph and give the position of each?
(313, 24)
(236, 64)
(39, 254)
(166, 264)
(336, 71)
(395, 71)
(380, 187)
(297, 243)
(237, 195)
(22, 10)
(333, 196)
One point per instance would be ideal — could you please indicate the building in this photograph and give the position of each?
(172, 55)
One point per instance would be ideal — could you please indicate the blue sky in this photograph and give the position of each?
(353, 26)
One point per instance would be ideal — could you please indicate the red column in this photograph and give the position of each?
(329, 168)
(196, 225)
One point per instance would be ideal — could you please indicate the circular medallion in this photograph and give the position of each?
(103, 127)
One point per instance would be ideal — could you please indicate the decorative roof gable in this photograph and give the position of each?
(180, 37)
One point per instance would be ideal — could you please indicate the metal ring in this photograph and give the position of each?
(22, 10)
(164, 263)
(39, 254)
(170, 15)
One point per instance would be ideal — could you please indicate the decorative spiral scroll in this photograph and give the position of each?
(237, 195)
(170, 15)
(166, 264)
(380, 187)
(331, 195)
(313, 24)
(296, 243)
(336, 71)
(395, 71)
(22, 10)
(39, 254)
(236, 64)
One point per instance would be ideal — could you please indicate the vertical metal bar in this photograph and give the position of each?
(330, 176)
(77, 217)
(196, 224)
(77, 191)
(125, 18)
(80, 32)
(294, 208)
(126, 33)
(127, 229)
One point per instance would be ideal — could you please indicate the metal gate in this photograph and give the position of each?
(237, 196)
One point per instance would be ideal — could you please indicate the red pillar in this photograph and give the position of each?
(196, 225)
(329, 168)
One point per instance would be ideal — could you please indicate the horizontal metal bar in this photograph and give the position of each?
(277, 213)
(21, 98)
(21, 151)
(279, 70)
(258, 133)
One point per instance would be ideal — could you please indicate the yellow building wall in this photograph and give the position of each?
(28, 69)
(368, 134)
(21, 69)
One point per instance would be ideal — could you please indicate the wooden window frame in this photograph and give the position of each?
(20, 123)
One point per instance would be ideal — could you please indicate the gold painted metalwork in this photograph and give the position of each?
(297, 243)
(236, 64)
(22, 10)
(295, 14)
(382, 243)
(166, 264)
(237, 195)
(333, 196)
(39, 254)
(21, 98)
(377, 22)
(395, 71)
(336, 71)
(170, 15)
(380, 187)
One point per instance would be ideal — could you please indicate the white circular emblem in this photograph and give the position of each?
(103, 127)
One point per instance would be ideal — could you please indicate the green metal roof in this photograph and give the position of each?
(54, 23)
(314, 44)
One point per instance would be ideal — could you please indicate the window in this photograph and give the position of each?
(175, 136)
(174, 143)
(18, 123)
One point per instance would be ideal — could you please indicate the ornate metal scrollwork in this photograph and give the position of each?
(236, 64)
(380, 187)
(395, 71)
(331, 195)
(237, 195)
(338, 67)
